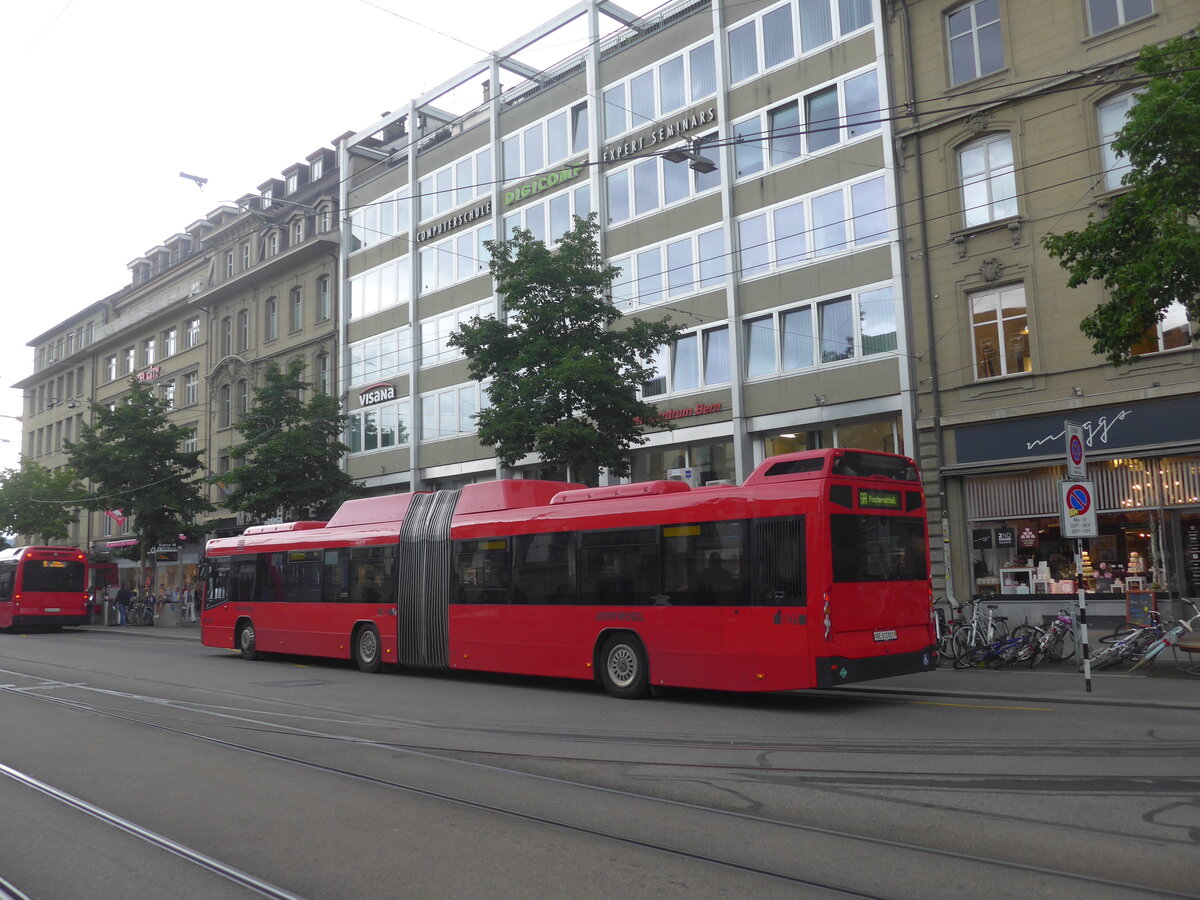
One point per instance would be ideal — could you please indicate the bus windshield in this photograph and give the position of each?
(878, 548)
(53, 575)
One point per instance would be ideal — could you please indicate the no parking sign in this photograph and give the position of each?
(1077, 510)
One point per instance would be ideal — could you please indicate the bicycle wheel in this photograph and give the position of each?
(1063, 647)
(960, 643)
(1122, 632)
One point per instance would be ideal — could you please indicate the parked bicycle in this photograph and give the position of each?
(1128, 642)
(1169, 639)
(1016, 647)
(1053, 643)
(139, 614)
(978, 629)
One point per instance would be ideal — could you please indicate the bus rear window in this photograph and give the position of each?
(878, 548)
(53, 575)
(865, 465)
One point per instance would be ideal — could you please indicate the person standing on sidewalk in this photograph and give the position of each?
(123, 598)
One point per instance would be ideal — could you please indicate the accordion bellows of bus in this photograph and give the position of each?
(43, 587)
(812, 573)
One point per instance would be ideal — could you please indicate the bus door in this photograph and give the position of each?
(782, 615)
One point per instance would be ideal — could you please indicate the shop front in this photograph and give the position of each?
(1147, 552)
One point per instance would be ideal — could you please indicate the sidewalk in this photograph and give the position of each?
(1165, 688)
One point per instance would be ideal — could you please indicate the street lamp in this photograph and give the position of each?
(688, 151)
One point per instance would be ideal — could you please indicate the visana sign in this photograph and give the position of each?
(377, 394)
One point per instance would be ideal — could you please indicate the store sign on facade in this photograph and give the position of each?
(378, 393)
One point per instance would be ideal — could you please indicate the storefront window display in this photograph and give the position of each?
(1148, 522)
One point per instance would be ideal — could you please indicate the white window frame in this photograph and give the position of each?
(399, 411)
(1122, 14)
(447, 403)
(971, 38)
(435, 330)
(382, 287)
(668, 362)
(997, 295)
(999, 181)
(381, 356)
(616, 116)
(708, 271)
(1112, 166)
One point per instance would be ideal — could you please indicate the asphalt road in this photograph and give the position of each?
(135, 765)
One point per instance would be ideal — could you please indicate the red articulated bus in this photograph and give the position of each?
(43, 587)
(811, 574)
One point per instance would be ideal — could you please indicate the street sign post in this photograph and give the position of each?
(1076, 458)
(1077, 515)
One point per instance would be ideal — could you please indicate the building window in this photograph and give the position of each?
(296, 306)
(989, 185)
(695, 360)
(191, 386)
(272, 244)
(379, 427)
(245, 256)
(451, 412)
(293, 182)
(191, 333)
(243, 398)
(272, 319)
(325, 218)
(225, 410)
(129, 361)
(226, 336)
(110, 368)
(323, 306)
(316, 169)
(976, 47)
(297, 232)
(1106, 14)
(170, 337)
(324, 384)
(673, 269)
(435, 331)
(1000, 332)
(148, 356)
(267, 197)
(243, 329)
(168, 394)
(189, 441)
(1171, 332)
(228, 263)
(381, 356)
(1111, 116)
(820, 332)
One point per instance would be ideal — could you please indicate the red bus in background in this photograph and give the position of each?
(812, 573)
(43, 587)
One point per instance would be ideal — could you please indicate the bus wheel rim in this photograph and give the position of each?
(367, 647)
(622, 665)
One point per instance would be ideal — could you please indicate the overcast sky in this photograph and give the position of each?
(107, 101)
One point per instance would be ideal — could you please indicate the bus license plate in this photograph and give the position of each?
(889, 635)
(52, 609)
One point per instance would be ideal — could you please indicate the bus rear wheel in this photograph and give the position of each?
(624, 671)
(366, 649)
(245, 641)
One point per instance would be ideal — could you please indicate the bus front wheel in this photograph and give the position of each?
(366, 649)
(624, 671)
(245, 640)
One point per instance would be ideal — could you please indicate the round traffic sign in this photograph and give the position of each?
(1079, 500)
(1075, 448)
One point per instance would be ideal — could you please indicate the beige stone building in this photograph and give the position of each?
(1005, 110)
(253, 282)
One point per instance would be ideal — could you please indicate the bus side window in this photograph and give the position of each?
(543, 569)
(481, 570)
(620, 568)
(6, 582)
(335, 576)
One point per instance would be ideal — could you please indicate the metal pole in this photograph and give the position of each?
(1083, 631)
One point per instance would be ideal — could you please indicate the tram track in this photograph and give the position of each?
(444, 755)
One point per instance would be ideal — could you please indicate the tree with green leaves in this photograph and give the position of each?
(134, 458)
(38, 503)
(290, 458)
(563, 380)
(1145, 250)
